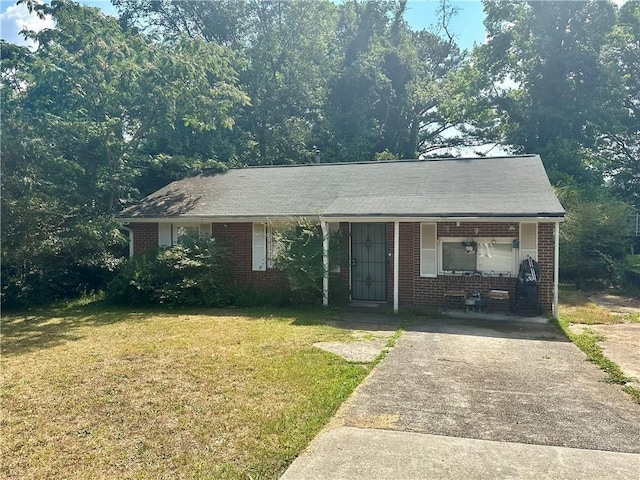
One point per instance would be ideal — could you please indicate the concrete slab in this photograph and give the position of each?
(480, 398)
(354, 453)
(621, 345)
(493, 380)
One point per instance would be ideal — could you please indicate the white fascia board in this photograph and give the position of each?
(374, 219)
(202, 219)
(330, 218)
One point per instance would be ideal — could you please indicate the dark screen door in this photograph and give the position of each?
(369, 261)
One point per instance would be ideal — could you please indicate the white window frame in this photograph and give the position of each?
(433, 252)
(203, 229)
(258, 247)
(479, 240)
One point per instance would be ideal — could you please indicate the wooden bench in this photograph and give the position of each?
(454, 294)
(498, 296)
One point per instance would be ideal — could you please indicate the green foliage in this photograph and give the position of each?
(192, 272)
(545, 81)
(595, 238)
(47, 255)
(300, 256)
(81, 119)
(620, 144)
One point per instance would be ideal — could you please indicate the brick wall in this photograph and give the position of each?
(546, 246)
(145, 236)
(412, 288)
(417, 290)
(237, 237)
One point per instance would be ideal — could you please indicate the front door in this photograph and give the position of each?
(369, 261)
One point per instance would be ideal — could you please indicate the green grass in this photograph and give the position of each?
(575, 307)
(95, 392)
(587, 341)
(634, 262)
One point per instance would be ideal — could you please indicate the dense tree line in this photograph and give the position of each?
(107, 110)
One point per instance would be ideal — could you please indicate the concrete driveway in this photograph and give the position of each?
(480, 399)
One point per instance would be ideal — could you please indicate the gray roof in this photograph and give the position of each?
(468, 187)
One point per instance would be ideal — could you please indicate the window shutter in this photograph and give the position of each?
(259, 247)
(528, 241)
(428, 250)
(164, 235)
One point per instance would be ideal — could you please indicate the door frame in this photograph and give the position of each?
(386, 267)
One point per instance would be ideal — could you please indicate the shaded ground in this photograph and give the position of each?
(370, 334)
(617, 303)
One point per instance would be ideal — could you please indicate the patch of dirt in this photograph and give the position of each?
(616, 303)
(363, 351)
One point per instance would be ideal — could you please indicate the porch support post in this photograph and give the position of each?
(325, 263)
(396, 263)
(556, 269)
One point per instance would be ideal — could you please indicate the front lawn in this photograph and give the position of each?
(90, 392)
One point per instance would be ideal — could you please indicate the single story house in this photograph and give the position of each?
(414, 232)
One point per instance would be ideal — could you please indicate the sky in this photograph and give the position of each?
(466, 25)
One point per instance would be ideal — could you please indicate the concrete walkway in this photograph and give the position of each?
(356, 453)
(480, 399)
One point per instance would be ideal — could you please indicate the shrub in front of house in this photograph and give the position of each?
(193, 272)
(299, 256)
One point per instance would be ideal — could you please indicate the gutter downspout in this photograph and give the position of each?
(556, 269)
(396, 263)
(130, 231)
(325, 263)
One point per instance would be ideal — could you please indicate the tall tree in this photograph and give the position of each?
(547, 88)
(288, 58)
(75, 115)
(620, 142)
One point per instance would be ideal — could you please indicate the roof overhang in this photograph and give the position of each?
(371, 218)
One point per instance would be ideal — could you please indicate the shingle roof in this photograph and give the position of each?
(470, 187)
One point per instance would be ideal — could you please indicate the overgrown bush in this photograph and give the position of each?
(595, 239)
(69, 257)
(190, 273)
(300, 256)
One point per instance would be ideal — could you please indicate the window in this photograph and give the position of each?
(170, 234)
(428, 250)
(184, 231)
(274, 245)
(486, 255)
(495, 257)
(265, 244)
(456, 258)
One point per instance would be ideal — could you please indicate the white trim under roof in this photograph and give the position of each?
(348, 219)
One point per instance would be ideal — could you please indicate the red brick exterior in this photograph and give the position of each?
(416, 290)
(145, 237)
(546, 246)
(412, 288)
(237, 237)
